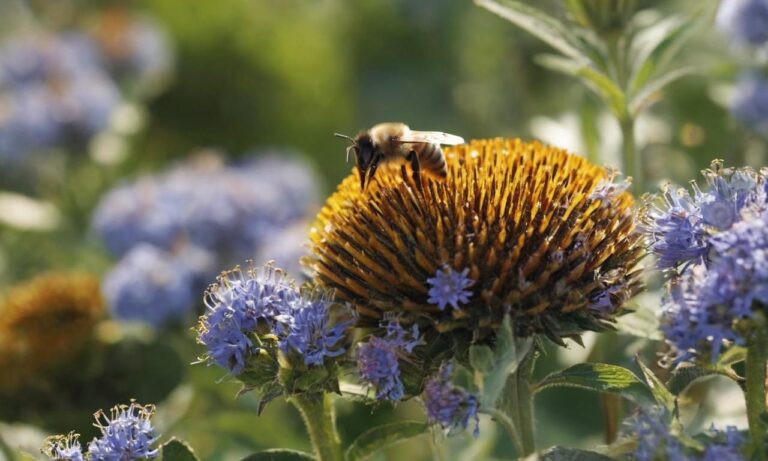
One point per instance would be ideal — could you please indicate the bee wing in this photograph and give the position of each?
(432, 137)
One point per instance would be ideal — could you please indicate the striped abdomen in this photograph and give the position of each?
(431, 160)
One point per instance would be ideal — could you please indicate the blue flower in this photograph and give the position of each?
(449, 287)
(126, 434)
(378, 360)
(54, 92)
(654, 439)
(307, 328)
(63, 448)
(150, 285)
(726, 445)
(746, 21)
(750, 102)
(236, 304)
(447, 404)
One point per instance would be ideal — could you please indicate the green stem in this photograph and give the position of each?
(517, 404)
(630, 161)
(757, 357)
(317, 412)
(507, 424)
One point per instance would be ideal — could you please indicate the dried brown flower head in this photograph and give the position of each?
(545, 235)
(44, 321)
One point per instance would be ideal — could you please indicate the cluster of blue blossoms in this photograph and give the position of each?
(243, 306)
(378, 360)
(713, 245)
(126, 434)
(655, 440)
(54, 90)
(173, 231)
(745, 22)
(449, 405)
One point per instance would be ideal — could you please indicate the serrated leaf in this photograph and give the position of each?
(537, 23)
(383, 436)
(659, 49)
(176, 450)
(571, 454)
(279, 454)
(685, 376)
(659, 390)
(592, 78)
(600, 377)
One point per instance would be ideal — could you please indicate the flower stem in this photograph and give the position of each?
(630, 161)
(317, 412)
(757, 357)
(517, 404)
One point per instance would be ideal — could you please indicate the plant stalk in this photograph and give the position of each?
(317, 412)
(517, 404)
(630, 161)
(757, 357)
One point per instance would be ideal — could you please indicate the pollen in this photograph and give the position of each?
(534, 228)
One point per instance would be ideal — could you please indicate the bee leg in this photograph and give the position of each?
(414, 159)
(374, 165)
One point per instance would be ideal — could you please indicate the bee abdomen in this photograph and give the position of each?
(432, 160)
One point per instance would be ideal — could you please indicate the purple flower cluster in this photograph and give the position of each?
(713, 246)
(378, 360)
(126, 435)
(197, 217)
(53, 91)
(449, 405)
(240, 306)
(750, 102)
(656, 440)
(449, 287)
(744, 21)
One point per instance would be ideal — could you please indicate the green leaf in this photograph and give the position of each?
(509, 353)
(732, 356)
(537, 23)
(597, 81)
(279, 454)
(685, 376)
(642, 322)
(659, 390)
(571, 454)
(176, 450)
(646, 95)
(600, 377)
(383, 436)
(666, 38)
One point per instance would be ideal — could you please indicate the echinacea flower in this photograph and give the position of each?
(44, 322)
(448, 405)
(127, 434)
(517, 219)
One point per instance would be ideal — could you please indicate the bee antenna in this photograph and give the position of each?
(339, 135)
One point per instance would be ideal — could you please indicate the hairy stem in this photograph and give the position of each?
(757, 357)
(317, 412)
(517, 404)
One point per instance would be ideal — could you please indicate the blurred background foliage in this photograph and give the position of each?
(253, 75)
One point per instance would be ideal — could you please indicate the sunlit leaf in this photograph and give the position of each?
(537, 23)
(659, 390)
(383, 436)
(595, 80)
(647, 94)
(600, 377)
(664, 41)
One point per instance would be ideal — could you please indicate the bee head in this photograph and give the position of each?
(362, 146)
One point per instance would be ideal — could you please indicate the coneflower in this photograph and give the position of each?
(516, 227)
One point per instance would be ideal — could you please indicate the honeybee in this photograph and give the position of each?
(395, 142)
